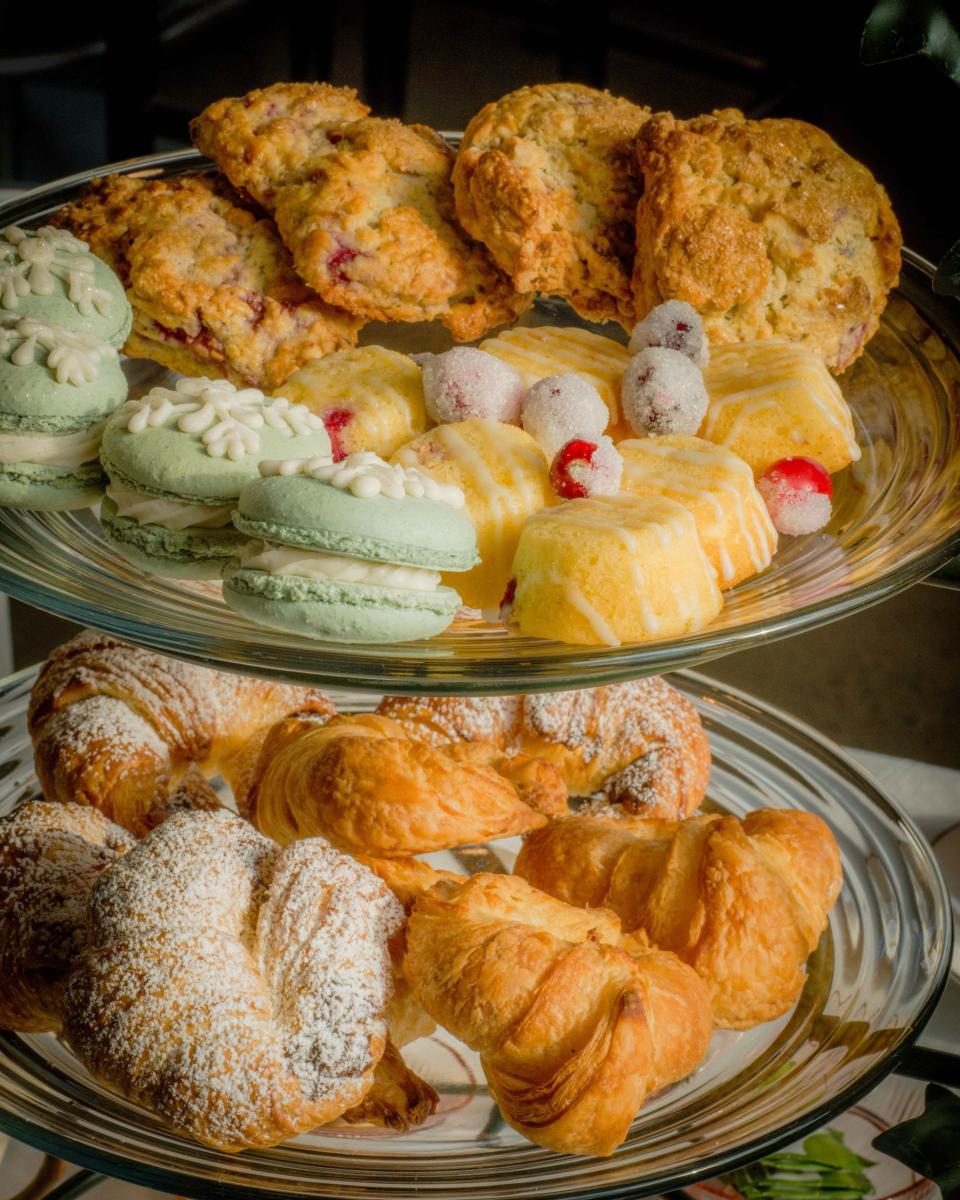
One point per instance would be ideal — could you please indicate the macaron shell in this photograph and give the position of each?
(296, 510)
(57, 308)
(166, 461)
(182, 553)
(50, 489)
(32, 400)
(338, 612)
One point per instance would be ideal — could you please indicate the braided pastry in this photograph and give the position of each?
(367, 786)
(265, 970)
(575, 1025)
(641, 743)
(115, 726)
(50, 857)
(742, 901)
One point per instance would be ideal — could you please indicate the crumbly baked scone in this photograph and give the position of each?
(365, 206)
(211, 284)
(547, 179)
(767, 228)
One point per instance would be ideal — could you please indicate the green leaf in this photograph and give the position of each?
(947, 279)
(826, 1170)
(901, 28)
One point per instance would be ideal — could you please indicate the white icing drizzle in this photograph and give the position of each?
(309, 564)
(171, 514)
(32, 262)
(365, 474)
(226, 419)
(68, 450)
(75, 357)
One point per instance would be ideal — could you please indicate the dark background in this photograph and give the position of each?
(78, 89)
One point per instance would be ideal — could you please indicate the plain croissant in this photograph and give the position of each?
(742, 901)
(116, 726)
(575, 1024)
(369, 788)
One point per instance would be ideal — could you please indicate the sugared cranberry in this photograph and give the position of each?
(335, 420)
(338, 260)
(798, 493)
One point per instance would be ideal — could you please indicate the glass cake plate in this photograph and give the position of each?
(872, 984)
(896, 519)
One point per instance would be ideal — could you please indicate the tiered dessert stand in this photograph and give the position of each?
(878, 971)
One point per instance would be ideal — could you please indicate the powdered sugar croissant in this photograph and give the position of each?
(116, 726)
(368, 787)
(575, 1024)
(742, 901)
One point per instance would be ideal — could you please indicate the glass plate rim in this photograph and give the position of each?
(591, 664)
(750, 708)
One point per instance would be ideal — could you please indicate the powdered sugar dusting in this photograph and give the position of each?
(267, 970)
(441, 719)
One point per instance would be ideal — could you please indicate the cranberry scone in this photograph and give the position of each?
(212, 286)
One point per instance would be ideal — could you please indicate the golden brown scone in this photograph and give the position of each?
(642, 743)
(273, 133)
(51, 855)
(365, 206)
(767, 228)
(116, 726)
(211, 284)
(546, 178)
(743, 902)
(366, 785)
(575, 1025)
(235, 987)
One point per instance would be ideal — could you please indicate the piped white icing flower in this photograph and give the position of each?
(75, 357)
(227, 420)
(32, 262)
(365, 474)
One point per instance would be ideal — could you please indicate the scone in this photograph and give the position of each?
(177, 459)
(366, 208)
(504, 476)
(772, 399)
(212, 286)
(767, 228)
(717, 487)
(546, 178)
(57, 388)
(369, 398)
(542, 350)
(613, 569)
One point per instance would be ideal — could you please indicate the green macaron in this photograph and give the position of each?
(196, 445)
(360, 567)
(57, 388)
(52, 276)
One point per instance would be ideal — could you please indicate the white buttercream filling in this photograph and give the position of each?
(69, 450)
(171, 514)
(286, 560)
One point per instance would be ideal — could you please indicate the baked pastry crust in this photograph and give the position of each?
(365, 206)
(366, 785)
(546, 178)
(575, 1024)
(767, 228)
(211, 284)
(742, 901)
(640, 742)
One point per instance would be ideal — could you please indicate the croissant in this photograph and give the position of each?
(115, 726)
(51, 855)
(575, 1025)
(742, 901)
(234, 987)
(642, 743)
(369, 788)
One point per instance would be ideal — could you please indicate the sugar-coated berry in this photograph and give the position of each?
(663, 392)
(560, 407)
(797, 493)
(585, 468)
(466, 382)
(675, 325)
